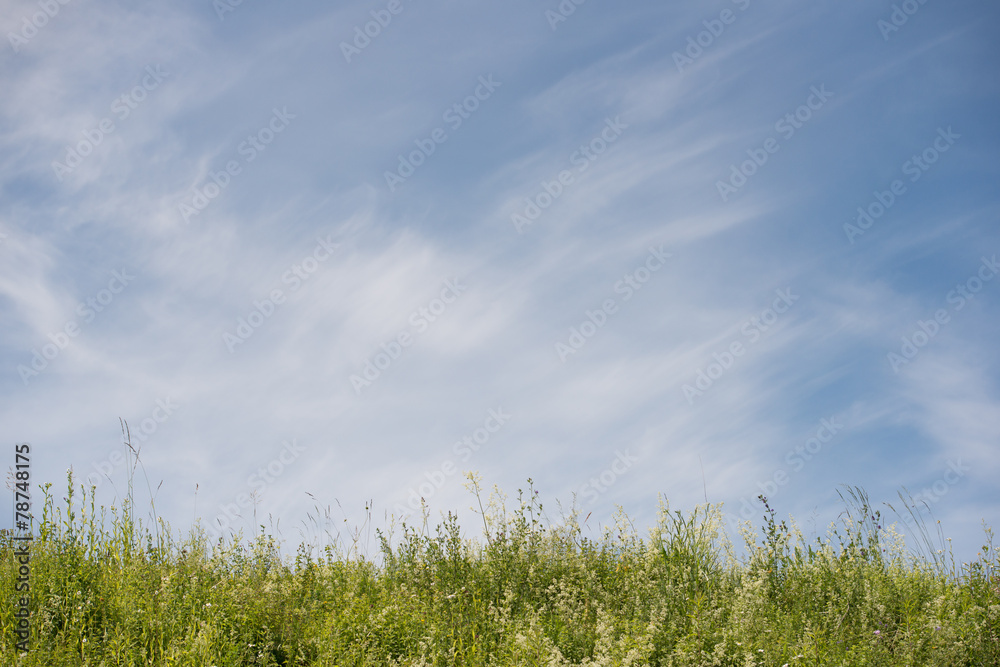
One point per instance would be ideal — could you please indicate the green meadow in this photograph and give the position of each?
(110, 589)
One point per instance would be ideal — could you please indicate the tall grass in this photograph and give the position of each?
(111, 590)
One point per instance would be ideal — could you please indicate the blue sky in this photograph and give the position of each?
(621, 249)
